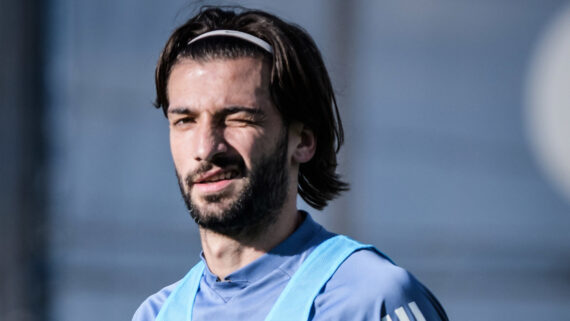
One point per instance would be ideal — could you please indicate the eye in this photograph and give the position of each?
(242, 119)
(183, 121)
(239, 121)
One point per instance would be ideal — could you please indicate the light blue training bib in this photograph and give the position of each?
(297, 298)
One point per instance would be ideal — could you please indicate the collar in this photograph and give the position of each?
(286, 256)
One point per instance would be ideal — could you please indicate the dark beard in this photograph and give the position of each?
(258, 204)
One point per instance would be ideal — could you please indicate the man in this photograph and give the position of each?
(253, 121)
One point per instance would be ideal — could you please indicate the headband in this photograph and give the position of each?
(237, 34)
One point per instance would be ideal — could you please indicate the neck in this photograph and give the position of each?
(225, 254)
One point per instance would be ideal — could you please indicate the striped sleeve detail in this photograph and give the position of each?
(402, 314)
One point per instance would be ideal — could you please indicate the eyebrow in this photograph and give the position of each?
(179, 110)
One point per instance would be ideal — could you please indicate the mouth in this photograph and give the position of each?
(215, 181)
(217, 177)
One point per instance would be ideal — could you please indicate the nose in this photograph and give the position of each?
(209, 142)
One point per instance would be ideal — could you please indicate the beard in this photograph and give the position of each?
(257, 204)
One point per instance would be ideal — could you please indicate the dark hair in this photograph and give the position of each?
(300, 85)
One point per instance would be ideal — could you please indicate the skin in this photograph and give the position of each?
(222, 107)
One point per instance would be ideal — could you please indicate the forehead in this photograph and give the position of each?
(219, 82)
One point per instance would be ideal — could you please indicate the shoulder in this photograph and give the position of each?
(365, 268)
(148, 310)
(368, 286)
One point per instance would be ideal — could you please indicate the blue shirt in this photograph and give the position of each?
(367, 286)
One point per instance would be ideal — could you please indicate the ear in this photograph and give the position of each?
(304, 143)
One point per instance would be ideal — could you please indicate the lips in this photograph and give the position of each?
(214, 181)
(216, 176)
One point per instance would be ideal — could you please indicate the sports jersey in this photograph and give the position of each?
(366, 286)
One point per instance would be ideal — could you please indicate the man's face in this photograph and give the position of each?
(228, 143)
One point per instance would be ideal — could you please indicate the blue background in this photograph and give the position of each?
(443, 176)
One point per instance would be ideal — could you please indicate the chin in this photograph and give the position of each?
(215, 205)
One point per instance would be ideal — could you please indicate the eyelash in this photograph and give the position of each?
(183, 120)
(241, 121)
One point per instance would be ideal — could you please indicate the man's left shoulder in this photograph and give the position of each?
(368, 286)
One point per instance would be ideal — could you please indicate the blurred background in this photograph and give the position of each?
(457, 119)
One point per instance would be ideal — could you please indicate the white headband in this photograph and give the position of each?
(237, 34)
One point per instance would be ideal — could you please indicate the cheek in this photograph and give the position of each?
(178, 149)
(249, 144)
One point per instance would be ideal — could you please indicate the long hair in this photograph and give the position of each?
(300, 86)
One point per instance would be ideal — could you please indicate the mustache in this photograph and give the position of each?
(221, 161)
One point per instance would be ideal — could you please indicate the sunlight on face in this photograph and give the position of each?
(228, 141)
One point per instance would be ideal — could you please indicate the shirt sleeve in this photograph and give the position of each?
(367, 286)
(409, 300)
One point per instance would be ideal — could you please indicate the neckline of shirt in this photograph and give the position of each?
(286, 256)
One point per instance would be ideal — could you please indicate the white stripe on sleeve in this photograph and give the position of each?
(402, 315)
(416, 311)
